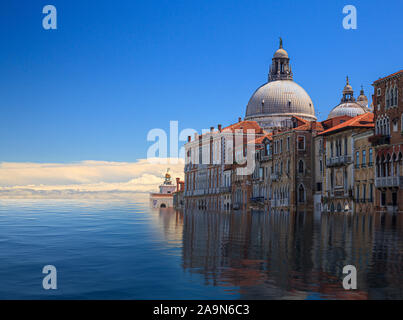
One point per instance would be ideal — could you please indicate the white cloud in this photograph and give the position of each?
(86, 178)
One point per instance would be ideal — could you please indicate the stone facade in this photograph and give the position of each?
(364, 172)
(388, 142)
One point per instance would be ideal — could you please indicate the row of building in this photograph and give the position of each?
(280, 158)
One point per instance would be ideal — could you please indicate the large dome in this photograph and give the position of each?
(280, 98)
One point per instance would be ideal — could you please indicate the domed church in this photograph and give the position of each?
(348, 106)
(274, 103)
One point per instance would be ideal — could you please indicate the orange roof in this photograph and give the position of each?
(244, 126)
(391, 75)
(300, 119)
(261, 139)
(328, 123)
(365, 120)
(310, 125)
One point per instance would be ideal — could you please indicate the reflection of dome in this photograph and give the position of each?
(348, 105)
(280, 98)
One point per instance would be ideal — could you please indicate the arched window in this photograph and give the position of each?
(301, 194)
(301, 166)
(395, 96)
(332, 207)
(387, 98)
(339, 207)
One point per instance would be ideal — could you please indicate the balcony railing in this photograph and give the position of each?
(338, 161)
(389, 182)
(225, 189)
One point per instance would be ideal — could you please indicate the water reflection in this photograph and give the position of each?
(287, 256)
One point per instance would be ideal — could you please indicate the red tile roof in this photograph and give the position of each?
(365, 120)
(261, 139)
(391, 75)
(310, 125)
(244, 126)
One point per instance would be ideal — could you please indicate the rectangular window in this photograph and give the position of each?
(357, 159)
(370, 157)
(301, 143)
(357, 196)
(364, 191)
(383, 199)
(378, 92)
(288, 143)
(364, 160)
(371, 191)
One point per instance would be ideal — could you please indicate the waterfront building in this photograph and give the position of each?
(211, 160)
(388, 141)
(363, 171)
(178, 200)
(292, 169)
(164, 198)
(212, 179)
(338, 192)
(319, 159)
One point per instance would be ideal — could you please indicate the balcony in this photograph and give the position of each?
(389, 182)
(379, 139)
(225, 189)
(338, 161)
(274, 176)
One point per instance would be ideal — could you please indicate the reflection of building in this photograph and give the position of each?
(388, 141)
(163, 199)
(290, 255)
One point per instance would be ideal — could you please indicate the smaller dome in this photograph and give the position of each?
(351, 109)
(281, 53)
(362, 99)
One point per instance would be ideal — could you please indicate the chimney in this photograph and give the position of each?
(239, 119)
(219, 127)
(189, 138)
(211, 129)
(177, 184)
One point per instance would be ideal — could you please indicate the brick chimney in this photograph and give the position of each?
(219, 127)
(239, 119)
(189, 138)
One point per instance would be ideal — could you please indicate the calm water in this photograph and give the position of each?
(123, 250)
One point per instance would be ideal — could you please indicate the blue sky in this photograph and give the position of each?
(113, 70)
